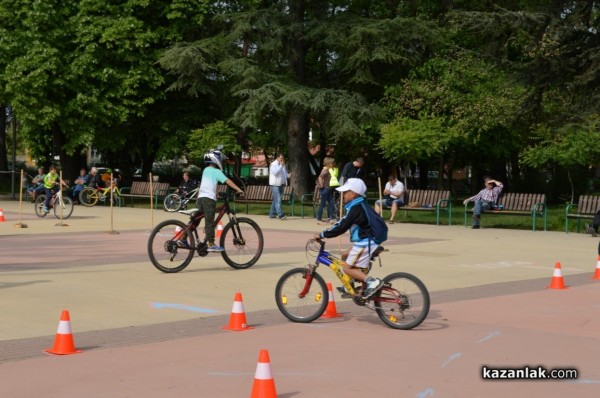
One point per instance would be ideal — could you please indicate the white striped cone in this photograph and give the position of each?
(237, 320)
(597, 273)
(63, 342)
(331, 310)
(178, 233)
(264, 385)
(219, 229)
(557, 279)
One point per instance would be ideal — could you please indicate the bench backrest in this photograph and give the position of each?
(588, 204)
(428, 197)
(143, 187)
(263, 193)
(521, 201)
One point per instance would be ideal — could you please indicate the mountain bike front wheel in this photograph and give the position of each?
(169, 248)
(299, 299)
(243, 243)
(172, 202)
(65, 206)
(403, 302)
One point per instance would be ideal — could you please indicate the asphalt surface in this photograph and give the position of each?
(145, 333)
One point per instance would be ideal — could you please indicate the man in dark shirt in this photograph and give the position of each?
(353, 170)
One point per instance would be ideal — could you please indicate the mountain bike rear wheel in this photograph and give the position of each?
(169, 248)
(296, 308)
(88, 196)
(403, 302)
(243, 243)
(172, 202)
(39, 206)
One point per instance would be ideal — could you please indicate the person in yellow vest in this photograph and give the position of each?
(335, 183)
(51, 185)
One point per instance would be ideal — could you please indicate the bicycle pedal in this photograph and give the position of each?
(347, 295)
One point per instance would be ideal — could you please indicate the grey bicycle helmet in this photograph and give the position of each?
(215, 157)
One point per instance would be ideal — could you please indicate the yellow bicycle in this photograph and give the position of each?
(302, 296)
(89, 196)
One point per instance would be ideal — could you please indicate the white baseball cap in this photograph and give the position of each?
(355, 185)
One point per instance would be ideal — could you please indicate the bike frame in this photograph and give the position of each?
(336, 265)
(220, 211)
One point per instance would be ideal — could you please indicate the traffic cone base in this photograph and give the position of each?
(63, 342)
(2, 219)
(264, 385)
(237, 320)
(557, 279)
(597, 273)
(331, 310)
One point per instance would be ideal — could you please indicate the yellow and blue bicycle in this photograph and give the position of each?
(302, 296)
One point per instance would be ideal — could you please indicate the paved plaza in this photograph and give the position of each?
(144, 333)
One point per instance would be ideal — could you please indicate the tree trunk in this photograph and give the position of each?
(3, 152)
(301, 179)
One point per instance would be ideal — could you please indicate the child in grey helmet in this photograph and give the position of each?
(355, 220)
(207, 197)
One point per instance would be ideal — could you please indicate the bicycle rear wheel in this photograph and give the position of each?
(243, 242)
(39, 206)
(66, 207)
(172, 202)
(88, 196)
(403, 302)
(169, 248)
(301, 309)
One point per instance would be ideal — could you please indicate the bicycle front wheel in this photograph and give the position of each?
(243, 242)
(172, 202)
(403, 302)
(39, 206)
(65, 206)
(169, 248)
(288, 292)
(88, 197)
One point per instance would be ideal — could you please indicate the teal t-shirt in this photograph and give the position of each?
(211, 176)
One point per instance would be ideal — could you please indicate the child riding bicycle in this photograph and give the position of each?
(356, 220)
(207, 197)
(51, 185)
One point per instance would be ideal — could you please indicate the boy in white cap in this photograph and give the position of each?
(355, 220)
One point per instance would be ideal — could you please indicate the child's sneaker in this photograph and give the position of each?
(215, 248)
(373, 285)
(46, 210)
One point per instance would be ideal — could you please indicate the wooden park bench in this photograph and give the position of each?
(586, 208)
(429, 200)
(141, 189)
(518, 204)
(263, 194)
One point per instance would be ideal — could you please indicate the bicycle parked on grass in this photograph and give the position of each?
(175, 202)
(59, 202)
(89, 196)
(301, 293)
(172, 243)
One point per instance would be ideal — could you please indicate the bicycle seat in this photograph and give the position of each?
(188, 212)
(377, 252)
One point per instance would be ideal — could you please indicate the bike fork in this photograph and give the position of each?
(308, 275)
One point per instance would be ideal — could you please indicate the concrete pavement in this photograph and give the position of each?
(487, 282)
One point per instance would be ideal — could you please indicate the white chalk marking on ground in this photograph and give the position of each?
(452, 358)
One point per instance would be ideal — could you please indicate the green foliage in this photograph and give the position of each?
(202, 140)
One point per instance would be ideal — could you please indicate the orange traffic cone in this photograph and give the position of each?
(178, 233)
(264, 385)
(331, 311)
(557, 279)
(597, 273)
(237, 320)
(2, 215)
(63, 342)
(219, 229)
